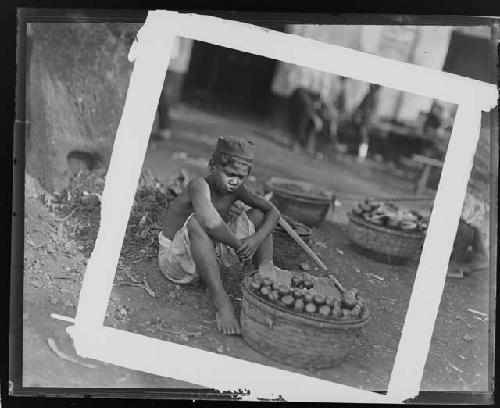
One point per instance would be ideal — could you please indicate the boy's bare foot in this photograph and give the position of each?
(225, 319)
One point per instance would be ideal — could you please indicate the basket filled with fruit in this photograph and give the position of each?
(300, 320)
(385, 232)
(287, 253)
(305, 202)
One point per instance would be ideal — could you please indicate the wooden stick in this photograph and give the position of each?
(308, 250)
(293, 234)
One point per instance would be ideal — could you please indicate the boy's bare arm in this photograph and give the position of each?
(208, 216)
(271, 213)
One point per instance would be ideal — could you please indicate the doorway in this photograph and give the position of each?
(224, 80)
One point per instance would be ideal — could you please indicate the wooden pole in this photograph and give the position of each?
(293, 234)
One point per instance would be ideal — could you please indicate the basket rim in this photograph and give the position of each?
(358, 220)
(274, 185)
(311, 320)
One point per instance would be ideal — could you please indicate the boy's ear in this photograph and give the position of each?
(211, 164)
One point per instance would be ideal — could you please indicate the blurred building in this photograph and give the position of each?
(221, 78)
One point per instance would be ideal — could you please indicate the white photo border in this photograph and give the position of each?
(151, 55)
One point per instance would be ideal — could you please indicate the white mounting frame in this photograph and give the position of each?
(151, 53)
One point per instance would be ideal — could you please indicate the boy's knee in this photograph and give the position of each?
(195, 229)
(256, 216)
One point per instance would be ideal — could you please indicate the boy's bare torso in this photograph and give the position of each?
(181, 208)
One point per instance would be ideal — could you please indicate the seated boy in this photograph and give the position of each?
(201, 230)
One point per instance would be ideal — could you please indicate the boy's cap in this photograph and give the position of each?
(242, 149)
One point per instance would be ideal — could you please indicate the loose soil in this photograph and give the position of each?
(55, 260)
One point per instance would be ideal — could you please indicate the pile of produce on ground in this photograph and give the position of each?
(389, 215)
(305, 294)
(80, 204)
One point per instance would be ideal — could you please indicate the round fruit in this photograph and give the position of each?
(308, 297)
(308, 284)
(364, 207)
(324, 310)
(393, 222)
(356, 311)
(255, 285)
(264, 291)
(299, 305)
(408, 226)
(298, 293)
(273, 296)
(330, 300)
(284, 290)
(350, 298)
(357, 211)
(310, 308)
(320, 300)
(275, 286)
(266, 282)
(297, 281)
(336, 312)
(345, 314)
(287, 300)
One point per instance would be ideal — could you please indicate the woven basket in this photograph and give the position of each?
(381, 243)
(296, 339)
(304, 202)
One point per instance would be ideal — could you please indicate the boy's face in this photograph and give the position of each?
(229, 177)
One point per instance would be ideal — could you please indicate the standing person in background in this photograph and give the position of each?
(364, 117)
(337, 111)
(304, 120)
(164, 123)
(471, 248)
(163, 131)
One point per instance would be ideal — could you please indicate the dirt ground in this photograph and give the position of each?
(55, 265)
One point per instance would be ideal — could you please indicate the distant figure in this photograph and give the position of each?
(163, 131)
(470, 253)
(364, 117)
(434, 129)
(434, 119)
(309, 120)
(336, 113)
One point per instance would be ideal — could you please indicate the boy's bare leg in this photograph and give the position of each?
(203, 253)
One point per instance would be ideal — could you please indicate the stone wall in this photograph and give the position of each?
(77, 85)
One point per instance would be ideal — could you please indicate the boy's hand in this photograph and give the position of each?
(237, 209)
(246, 251)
